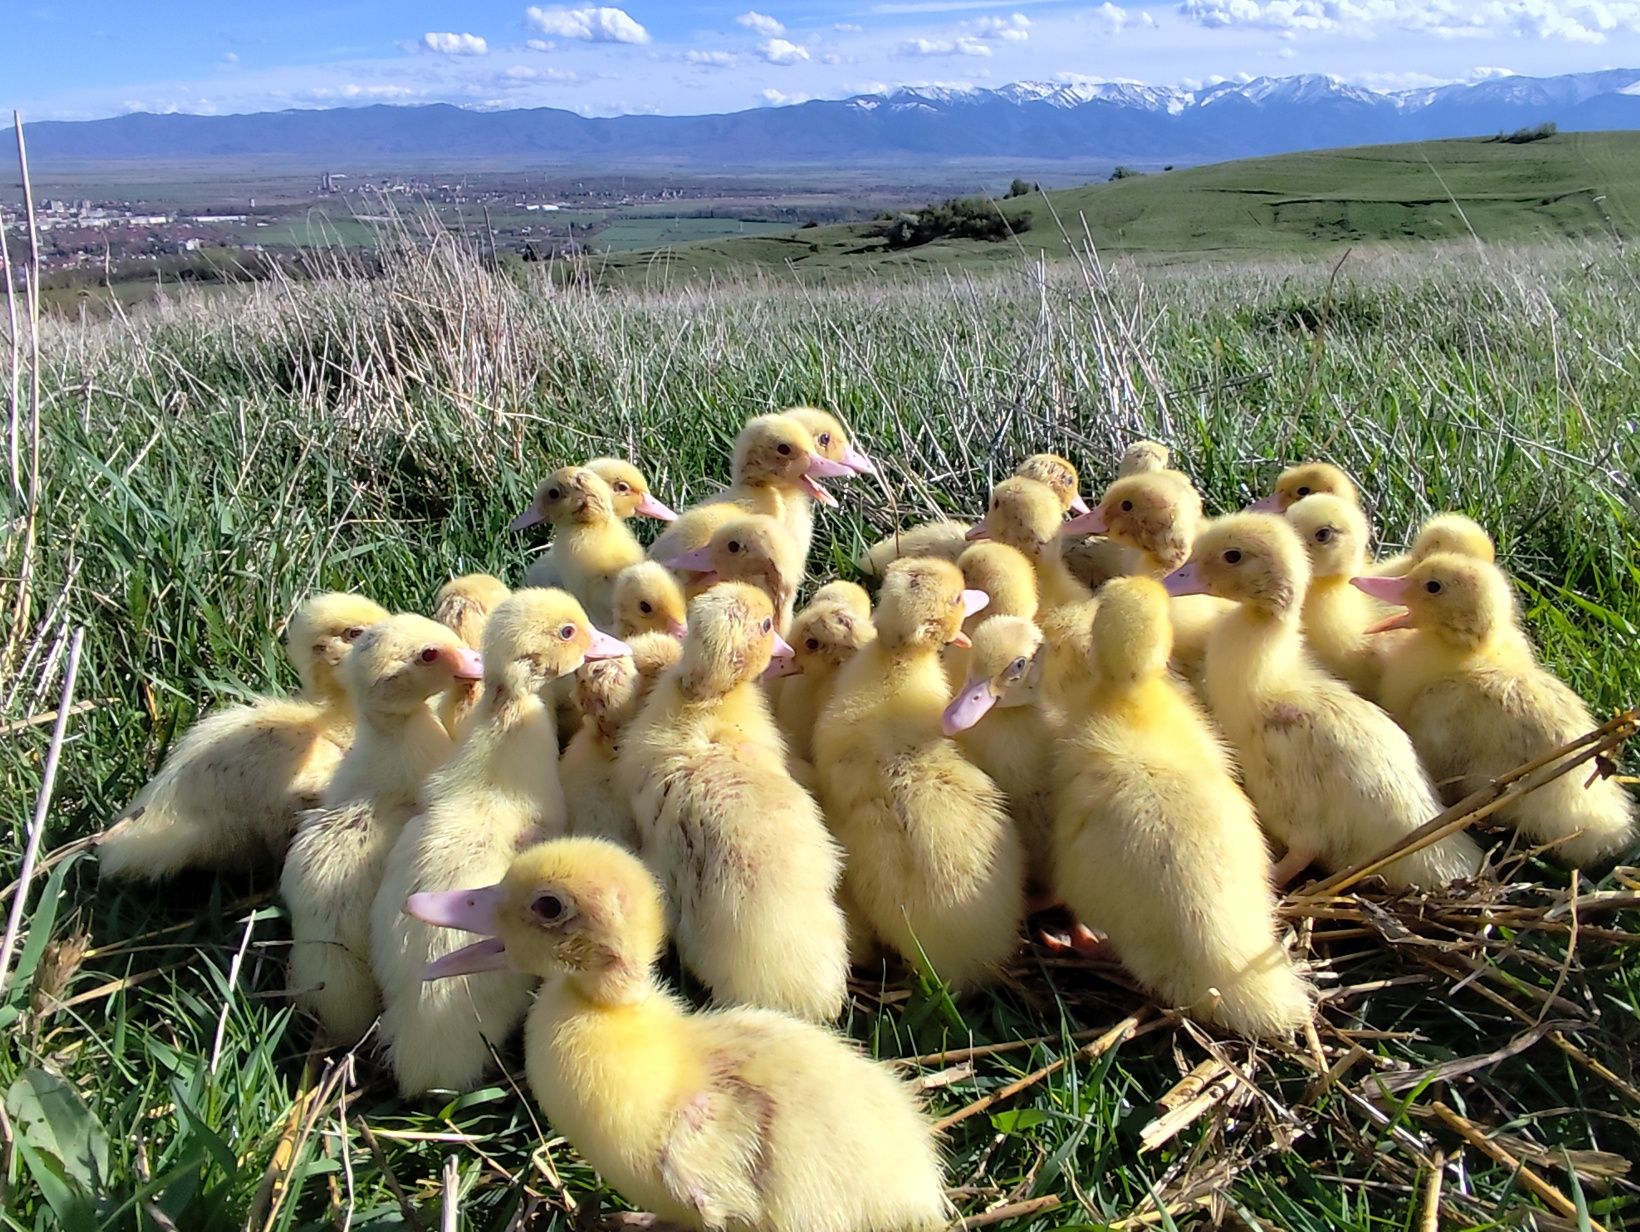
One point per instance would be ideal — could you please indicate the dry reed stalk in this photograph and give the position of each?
(21, 606)
(1473, 1135)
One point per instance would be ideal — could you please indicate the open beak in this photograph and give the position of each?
(697, 561)
(650, 507)
(978, 531)
(821, 467)
(974, 602)
(606, 647)
(1391, 590)
(858, 462)
(1078, 505)
(783, 662)
(968, 707)
(530, 517)
(1090, 522)
(471, 911)
(1267, 504)
(469, 664)
(1185, 580)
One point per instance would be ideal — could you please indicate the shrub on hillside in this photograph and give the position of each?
(1525, 136)
(967, 218)
(1124, 172)
(1022, 188)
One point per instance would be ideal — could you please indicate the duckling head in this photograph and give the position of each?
(647, 600)
(1004, 574)
(611, 691)
(1155, 513)
(776, 449)
(731, 641)
(1463, 601)
(398, 663)
(1334, 532)
(538, 635)
(754, 549)
(321, 632)
(923, 603)
(850, 595)
(571, 495)
(464, 605)
(1132, 633)
(831, 438)
(631, 490)
(1005, 670)
(1306, 479)
(583, 907)
(829, 632)
(1255, 559)
(1143, 458)
(1024, 514)
(1456, 535)
(1059, 476)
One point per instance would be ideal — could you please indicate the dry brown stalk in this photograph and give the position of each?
(1472, 1134)
(1010, 1210)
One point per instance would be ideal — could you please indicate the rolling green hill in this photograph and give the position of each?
(1568, 186)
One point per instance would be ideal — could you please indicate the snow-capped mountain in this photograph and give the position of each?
(1027, 122)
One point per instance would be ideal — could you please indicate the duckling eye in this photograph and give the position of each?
(429, 655)
(553, 493)
(813, 643)
(823, 439)
(567, 632)
(783, 450)
(645, 606)
(1304, 491)
(768, 624)
(1017, 667)
(1433, 587)
(1233, 556)
(734, 545)
(1127, 506)
(622, 485)
(548, 907)
(1324, 535)
(353, 634)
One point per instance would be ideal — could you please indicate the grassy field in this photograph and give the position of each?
(1580, 185)
(200, 472)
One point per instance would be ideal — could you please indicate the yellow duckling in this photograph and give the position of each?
(1156, 845)
(1307, 479)
(935, 866)
(1026, 515)
(610, 694)
(590, 544)
(1337, 615)
(463, 606)
(1468, 687)
(775, 471)
(832, 438)
(229, 794)
(648, 599)
(497, 795)
(749, 868)
(1155, 515)
(824, 636)
(340, 849)
(1333, 778)
(1143, 458)
(741, 1118)
(753, 549)
(633, 499)
(1004, 575)
(1446, 534)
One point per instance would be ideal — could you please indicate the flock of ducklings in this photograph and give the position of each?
(1110, 716)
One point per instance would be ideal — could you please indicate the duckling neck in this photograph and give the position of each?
(1252, 649)
(502, 751)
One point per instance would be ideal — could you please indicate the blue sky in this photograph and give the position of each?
(101, 57)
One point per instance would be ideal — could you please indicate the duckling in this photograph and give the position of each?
(749, 868)
(496, 796)
(1306, 479)
(590, 544)
(832, 438)
(775, 471)
(740, 1118)
(1153, 841)
(463, 606)
(1143, 458)
(647, 599)
(1452, 533)
(1013, 744)
(934, 864)
(1469, 688)
(1337, 615)
(1332, 776)
(610, 694)
(633, 498)
(1006, 576)
(851, 595)
(229, 794)
(753, 549)
(340, 849)
(1026, 515)
(1058, 476)
(824, 636)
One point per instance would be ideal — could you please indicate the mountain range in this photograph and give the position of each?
(1086, 121)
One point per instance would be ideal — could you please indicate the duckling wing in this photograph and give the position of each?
(714, 1157)
(1472, 729)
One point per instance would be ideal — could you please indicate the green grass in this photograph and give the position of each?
(634, 234)
(202, 471)
(1581, 185)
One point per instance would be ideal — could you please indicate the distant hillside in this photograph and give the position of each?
(1024, 121)
(1568, 186)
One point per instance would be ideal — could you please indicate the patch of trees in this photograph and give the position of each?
(1124, 172)
(1021, 188)
(966, 218)
(1525, 136)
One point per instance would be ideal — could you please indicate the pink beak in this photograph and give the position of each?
(783, 662)
(822, 468)
(974, 602)
(1078, 505)
(697, 561)
(1266, 504)
(650, 507)
(968, 707)
(677, 629)
(1089, 523)
(858, 462)
(1185, 580)
(530, 517)
(1392, 590)
(606, 647)
(978, 531)
(469, 664)
(471, 911)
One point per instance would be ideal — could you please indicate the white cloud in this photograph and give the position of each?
(520, 75)
(966, 45)
(712, 59)
(1015, 28)
(782, 51)
(353, 92)
(1574, 21)
(448, 44)
(848, 27)
(540, 44)
(761, 23)
(590, 25)
(779, 98)
(1490, 74)
(230, 57)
